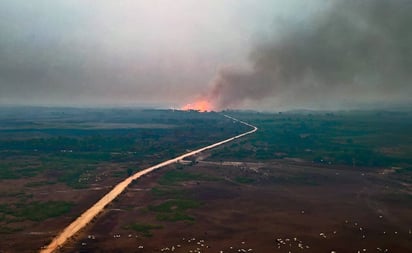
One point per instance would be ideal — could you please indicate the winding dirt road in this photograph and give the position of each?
(93, 211)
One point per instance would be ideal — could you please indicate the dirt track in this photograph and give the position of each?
(93, 211)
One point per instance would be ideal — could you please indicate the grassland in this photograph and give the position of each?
(55, 162)
(64, 143)
(359, 138)
(302, 175)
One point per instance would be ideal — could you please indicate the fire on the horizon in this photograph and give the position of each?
(201, 105)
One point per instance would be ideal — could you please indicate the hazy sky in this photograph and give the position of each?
(241, 54)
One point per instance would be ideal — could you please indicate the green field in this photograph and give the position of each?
(358, 138)
(69, 144)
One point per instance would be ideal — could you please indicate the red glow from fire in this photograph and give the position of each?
(200, 105)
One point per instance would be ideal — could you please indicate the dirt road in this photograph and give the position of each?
(93, 211)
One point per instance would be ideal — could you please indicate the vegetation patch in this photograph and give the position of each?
(118, 174)
(165, 192)
(36, 211)
(404, 174)
(175, 216)
(305, 179)
(244, 180)
(21, 196)
(358, 138)
(174, 210)
(39, 183)
(174, 177)
(76, 178)
(9, 230)
(175, 205)
(13, 171)
(144, 229)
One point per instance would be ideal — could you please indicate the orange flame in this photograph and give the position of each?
(200, 105)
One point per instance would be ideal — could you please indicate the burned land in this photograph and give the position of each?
(305, 182)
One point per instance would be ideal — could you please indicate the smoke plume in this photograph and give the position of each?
(356, 52)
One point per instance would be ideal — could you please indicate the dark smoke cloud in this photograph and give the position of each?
(357, 52)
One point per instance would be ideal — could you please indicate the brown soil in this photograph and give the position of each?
(289, 206)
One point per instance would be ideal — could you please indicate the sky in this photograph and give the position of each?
(239, 54)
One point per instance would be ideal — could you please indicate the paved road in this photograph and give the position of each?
(93, 211)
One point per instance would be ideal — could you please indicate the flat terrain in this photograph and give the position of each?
(55, 162)
(277, 206)
(305, 182)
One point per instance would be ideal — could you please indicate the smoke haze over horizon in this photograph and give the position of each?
(356, 52)
(238, 54)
